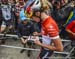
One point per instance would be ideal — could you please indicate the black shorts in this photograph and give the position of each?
(7, 22)
(45, 54)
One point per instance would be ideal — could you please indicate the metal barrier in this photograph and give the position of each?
(68, 56)
(8, 46)
(10, 35)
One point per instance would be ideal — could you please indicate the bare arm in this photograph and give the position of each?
(70, 32)
(56, 47)
(36, 33)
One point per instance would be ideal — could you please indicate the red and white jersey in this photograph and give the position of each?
(49, 30)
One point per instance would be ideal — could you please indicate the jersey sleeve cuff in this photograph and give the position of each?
(55, 37)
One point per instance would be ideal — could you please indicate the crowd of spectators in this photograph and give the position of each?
(10, 15)
(13, 7)
(10, 9)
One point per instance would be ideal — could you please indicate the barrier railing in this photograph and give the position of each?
(10, 35)
(8, 46)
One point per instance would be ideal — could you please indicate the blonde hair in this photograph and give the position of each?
(46, 4)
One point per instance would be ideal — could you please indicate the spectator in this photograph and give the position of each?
(70, 28)
(62, 2)
(6, 13)
(12, 2)
(60, 14)
(25, 28)
(56, 13)
(70, 15)
(18, 7)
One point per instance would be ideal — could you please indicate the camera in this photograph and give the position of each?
(30, 42)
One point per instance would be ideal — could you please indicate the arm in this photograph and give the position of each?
(69, 31)
(71, 34)
(69, 27)
(56, 47)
